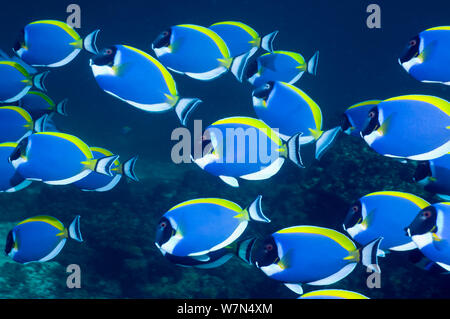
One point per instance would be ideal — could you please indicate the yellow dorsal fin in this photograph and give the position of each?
(353, 256)
(243, 215)
(226, 62)
(77, 44)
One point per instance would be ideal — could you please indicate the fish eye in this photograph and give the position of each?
(267, 86)
(355, 209)
(426, 214)
(163, 225)
(372, 114)
(165, 33)
(108, 51)
(412, 43)
(268, 247)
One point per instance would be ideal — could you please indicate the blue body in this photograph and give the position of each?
(287, 111)
(139, 80)
(47, 44)
(236, 38)
(203, 226)
(390, 215)
(193, 51)
(12, 85)
(312, 257)
(51, 158)
(237, 161)
(415, 127)
(436, 65)
(14, 125)
(36, 240)
(36, 105)
(8, 177)
(440, 181)
(277, 66)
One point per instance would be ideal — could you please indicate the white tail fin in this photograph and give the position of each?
(128, 168)
(104, 164)
(239, 65)
(326, 140)
(185, 107)
(40, 124)
(255, 212)
(61, 107)
(267, 41)
(90, 42)
(74, 229)
(312, 63)
(293, 150)
(39, 79)
(369, 255)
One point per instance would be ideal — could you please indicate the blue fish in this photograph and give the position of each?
(40, 239)
(283, 66)
(355, 117)
(140, 80)
(16, 81)
(430, 231)
(241, 38)
(102, 183)
(204, 232)
(415, 127)
(57, 159)
(288, 109)
(384, 214)
(246, 148)
(197, 52)
(10, 181)
(52, 43)
(434, 176)
(37, 104)
(426, 56)
(311, 255)
(332, 294)
(17, 123)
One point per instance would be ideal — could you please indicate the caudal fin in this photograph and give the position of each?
(301, 151)
(244, 249)
(255, 212)
(327, 139)
(312, 63)
(104, 165)
(40, 124)
(128, 168)
(369, 255)
(89, 42)
(61, 107)
(74, 229)
(39, 79)
(239, 65)
(185, 107)
(267, 41)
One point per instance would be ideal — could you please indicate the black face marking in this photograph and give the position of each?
(411, 50)
(20, 41)
(9, 243)
(21, 149)
(266, 253)
(345, 123)
(424, 222)
(162, 40)
(264, 90)
(105, 57)
(372, 123)
(423, 170)
(251, 69)
(164, 231)
(354, 215)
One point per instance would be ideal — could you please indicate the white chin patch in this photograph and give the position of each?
(271, 269)
(409, 64)
(101, 70)
(372, 137)
(423, 240)
(162, 51)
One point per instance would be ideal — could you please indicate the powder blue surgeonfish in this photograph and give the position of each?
(384, 214)
(247, 148)
(285, 107)
(57, 159)
(206, 232)
(10, 181)
(426, 56)
(37, 104)
(283, 66)
(355, 117)
(198, 52)
(17, 123)
(102, 183)
(241, 38)
(430, 230)
(311, 255)
(332, 294)
(40, 239)
(52, 43)
(415, 127)
(16, 80)
(434, 176)
(140, 80)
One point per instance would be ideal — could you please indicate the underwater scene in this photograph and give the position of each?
(225, 150)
